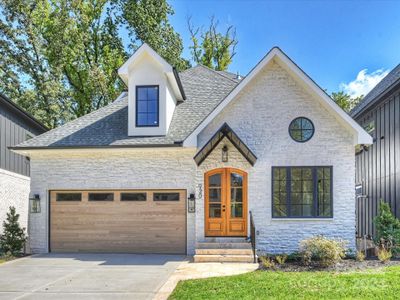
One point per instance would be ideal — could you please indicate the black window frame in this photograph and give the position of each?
(68, 193)
(131, 200)
(315, 192)
(159, 193)
(137, 101)
(306, 140)
(99, 193)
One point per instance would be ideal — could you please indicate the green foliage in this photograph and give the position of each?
(384, 255)
(360, 256)
(58, 59)
(267, 262)
(281, 259)
(213, 49)
(387, 229)
(368, 284)
(147, 21)
(345, 101)
(322, 252)
(13, 237)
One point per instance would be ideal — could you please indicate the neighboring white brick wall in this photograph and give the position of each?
(14, 191)
(260, 115)
(108, 169)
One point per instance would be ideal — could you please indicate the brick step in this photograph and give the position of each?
(223, 258)
(224, 251)
(214, 245)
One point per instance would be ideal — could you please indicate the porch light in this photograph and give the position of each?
(191, 203)
(35, 204)
(225, 154)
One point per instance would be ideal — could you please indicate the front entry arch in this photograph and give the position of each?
(225, 202)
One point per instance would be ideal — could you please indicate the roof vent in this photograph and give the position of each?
(238, 76)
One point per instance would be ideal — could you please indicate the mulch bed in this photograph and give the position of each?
(346, 265)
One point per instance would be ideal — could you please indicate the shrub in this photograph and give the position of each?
(384, 255)
(387, 229)
(360, 256)
(281, 259)
(267, 262)
(13, 238)
(322, 252)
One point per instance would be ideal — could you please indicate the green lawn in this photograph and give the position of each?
(368, 284)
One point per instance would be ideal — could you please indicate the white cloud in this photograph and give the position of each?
(363, 83)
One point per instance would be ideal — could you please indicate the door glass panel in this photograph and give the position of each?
(236, 195)
(215, 180)
(215, 211)
(215, 194)
(236, 210)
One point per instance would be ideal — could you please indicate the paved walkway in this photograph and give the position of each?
(86, 276)
(188, 270)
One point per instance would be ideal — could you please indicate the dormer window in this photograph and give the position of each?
(147, 106)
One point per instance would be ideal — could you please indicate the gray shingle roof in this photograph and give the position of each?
(108, 126)
(380, 88)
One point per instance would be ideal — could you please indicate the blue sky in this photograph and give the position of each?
(333, 41)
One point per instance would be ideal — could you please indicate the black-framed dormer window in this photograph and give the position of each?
(147, 106)
(302, 192)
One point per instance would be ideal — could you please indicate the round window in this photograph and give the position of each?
(301, 129)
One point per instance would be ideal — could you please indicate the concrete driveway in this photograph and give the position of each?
(86, 276)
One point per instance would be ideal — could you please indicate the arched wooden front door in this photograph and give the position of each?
(226, 202)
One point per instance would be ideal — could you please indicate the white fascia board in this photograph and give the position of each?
(360, 135)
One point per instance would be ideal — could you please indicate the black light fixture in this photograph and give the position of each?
(191, 203)
(225, 153)
(35, 204)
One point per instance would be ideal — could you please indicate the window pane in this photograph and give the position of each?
(215, 211)
(302, 187)
(279, 192)
(215, 194)
(142, 106)
(133, 197)
(142, 119)
(324, 201)
(236, 180)
(101, 196)
(152, 119)
(152, 93)
(166, 197)
(236, 210)
(142, 93)
(215, 180)
(69, 197)
(236, 195)
(301, 129)
(152, 106)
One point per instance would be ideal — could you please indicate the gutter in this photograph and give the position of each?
(176, 144)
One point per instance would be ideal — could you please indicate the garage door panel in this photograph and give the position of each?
(118, 226)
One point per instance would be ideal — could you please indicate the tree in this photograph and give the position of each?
(58, 58)
(387, 228)
(345, 101)
(212, 48)
(147, 21)
(13, 238)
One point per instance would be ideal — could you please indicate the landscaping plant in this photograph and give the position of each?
(13, 238)
(267, 262)
(384, 255)
(360, 256)
(320, 251)
(281, 259)
(387, 229)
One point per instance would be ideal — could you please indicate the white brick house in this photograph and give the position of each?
(124, 178)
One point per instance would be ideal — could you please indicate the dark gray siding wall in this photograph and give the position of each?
(378, 169)
(13, 130)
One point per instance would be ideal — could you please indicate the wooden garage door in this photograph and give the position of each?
(118, 221)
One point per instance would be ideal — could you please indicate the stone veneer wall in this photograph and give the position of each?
(260, 115)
